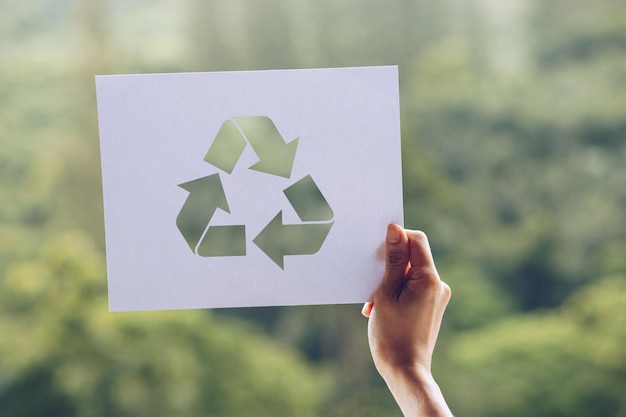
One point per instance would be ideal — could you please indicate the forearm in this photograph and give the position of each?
(416, 392)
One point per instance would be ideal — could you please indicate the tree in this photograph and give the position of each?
(567, 362)
(63, 352)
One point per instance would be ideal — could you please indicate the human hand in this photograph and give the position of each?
(404, 322)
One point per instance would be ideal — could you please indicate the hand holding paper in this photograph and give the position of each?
(404, 322)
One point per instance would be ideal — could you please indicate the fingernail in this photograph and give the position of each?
(393, 234)
(367, 309)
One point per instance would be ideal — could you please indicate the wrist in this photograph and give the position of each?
(407, 366)
(416, 391)
(417, 376)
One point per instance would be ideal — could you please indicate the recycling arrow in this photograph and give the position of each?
(278, 239)
(307, 200)
(276, 157)
(206, 195)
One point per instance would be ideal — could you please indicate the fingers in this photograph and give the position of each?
(423, 274)
(367, 309)
(421, 257)
(404, 248)
(397, 258)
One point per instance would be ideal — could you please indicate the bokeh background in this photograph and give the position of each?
(514, 148)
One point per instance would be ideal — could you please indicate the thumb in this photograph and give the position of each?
(397, 259)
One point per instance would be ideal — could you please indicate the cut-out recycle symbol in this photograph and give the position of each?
(276, 157)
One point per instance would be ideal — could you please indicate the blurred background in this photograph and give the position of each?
(514, 148)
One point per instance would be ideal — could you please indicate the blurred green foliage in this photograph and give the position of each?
(64, 354)
(514, 142)
(569, 361)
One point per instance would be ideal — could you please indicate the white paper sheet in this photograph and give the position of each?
(156, 131)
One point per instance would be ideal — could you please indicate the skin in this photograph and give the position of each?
(404, 322)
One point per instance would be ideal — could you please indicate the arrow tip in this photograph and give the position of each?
(270, 242)
(280, 161)
(210, 185)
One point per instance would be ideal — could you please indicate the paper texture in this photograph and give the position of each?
(252, 188)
